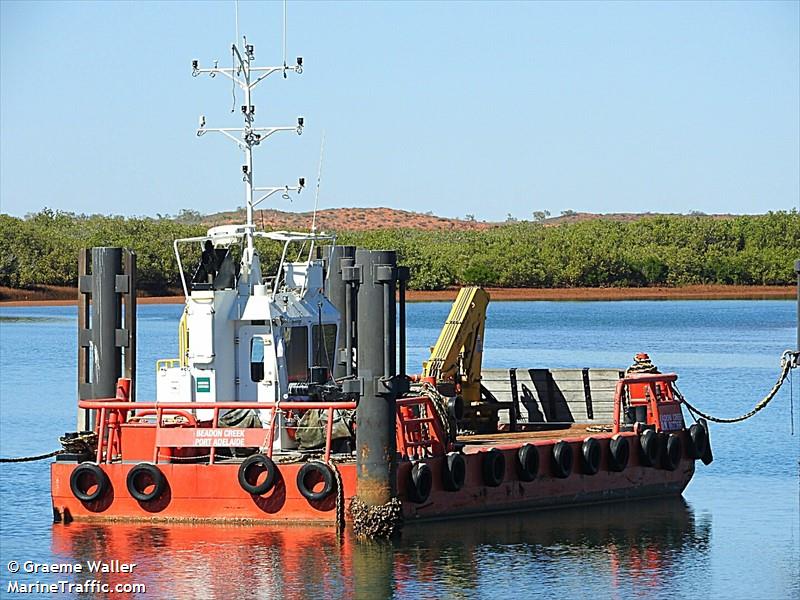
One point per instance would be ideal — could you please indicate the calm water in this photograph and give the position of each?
(734, 534)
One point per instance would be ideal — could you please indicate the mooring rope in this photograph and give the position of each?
(789, 360)
(31, 458)
(339, 498)
(72, 443)
(440, 406)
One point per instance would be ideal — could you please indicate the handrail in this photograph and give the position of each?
(649, 378)
(642, 378)
(113, 404)
(178, 412)
(110, 406)
(416, 432)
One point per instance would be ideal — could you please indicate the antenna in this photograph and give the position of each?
(284, 37)
(236, 39)
(319, 178)
(247, 76)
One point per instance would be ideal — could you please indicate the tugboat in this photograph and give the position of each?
(290, 399)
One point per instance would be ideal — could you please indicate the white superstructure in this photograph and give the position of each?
(247, 335)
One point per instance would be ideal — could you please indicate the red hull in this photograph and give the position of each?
(197, 492)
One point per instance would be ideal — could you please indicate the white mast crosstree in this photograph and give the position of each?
(247, 77)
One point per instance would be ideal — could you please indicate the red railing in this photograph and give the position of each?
(655, 390)
(113, 411)
(418, 434)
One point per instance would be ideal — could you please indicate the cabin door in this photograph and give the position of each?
(257, 372)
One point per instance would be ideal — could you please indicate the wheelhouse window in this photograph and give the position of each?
(324, 346)
(296, 340)
(257, 359)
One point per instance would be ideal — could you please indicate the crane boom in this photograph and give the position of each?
(456, 357)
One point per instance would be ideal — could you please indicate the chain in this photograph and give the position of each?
(789, 360)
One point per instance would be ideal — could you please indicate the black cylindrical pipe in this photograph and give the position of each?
(401, 283)
(337, 290)
(106, 319)
(388, 328)
(376, 462)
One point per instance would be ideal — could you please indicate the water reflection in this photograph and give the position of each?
(619, 547)
(22, 319)
(616, 547)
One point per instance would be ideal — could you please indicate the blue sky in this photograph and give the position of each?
(458, 108)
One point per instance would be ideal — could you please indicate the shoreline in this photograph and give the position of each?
(61, 296)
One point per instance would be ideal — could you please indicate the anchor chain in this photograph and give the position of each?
(789, 361)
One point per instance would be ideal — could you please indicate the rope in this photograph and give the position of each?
(599, 428)
(791, 402)
(788, 362)
(31, 458)
(339, 498)
(439, 405)
(72, 443)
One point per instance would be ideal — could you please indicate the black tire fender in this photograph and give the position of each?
(420, 483)
(154, 474)
(100, 480)
(591, 453)
(651, 448)
(493, 467)
(250, 466)
(698, 441)
(619, 453)
(674, 452)
(321, 470)
(454, 471)
(527, 462)
(562, 459)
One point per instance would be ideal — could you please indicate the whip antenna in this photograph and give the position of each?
(236, 3)
(284, 37)
(316, 193)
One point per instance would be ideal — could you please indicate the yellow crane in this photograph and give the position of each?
(456, 357)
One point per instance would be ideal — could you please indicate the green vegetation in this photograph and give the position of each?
(655, 250)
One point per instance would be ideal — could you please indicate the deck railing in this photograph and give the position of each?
(113, 413)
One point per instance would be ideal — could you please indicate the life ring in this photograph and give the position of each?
(698, 441)
(251, 468)
(527, 462)
(651, 448)
(591, 454)
(454, 471)
(619, 453)
(674, 452)
(320, 472)
(493, 467)
(420, 482)
(562, 459)
(143, 476)
(96, 476)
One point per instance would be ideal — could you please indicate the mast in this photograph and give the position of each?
(247, 77)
